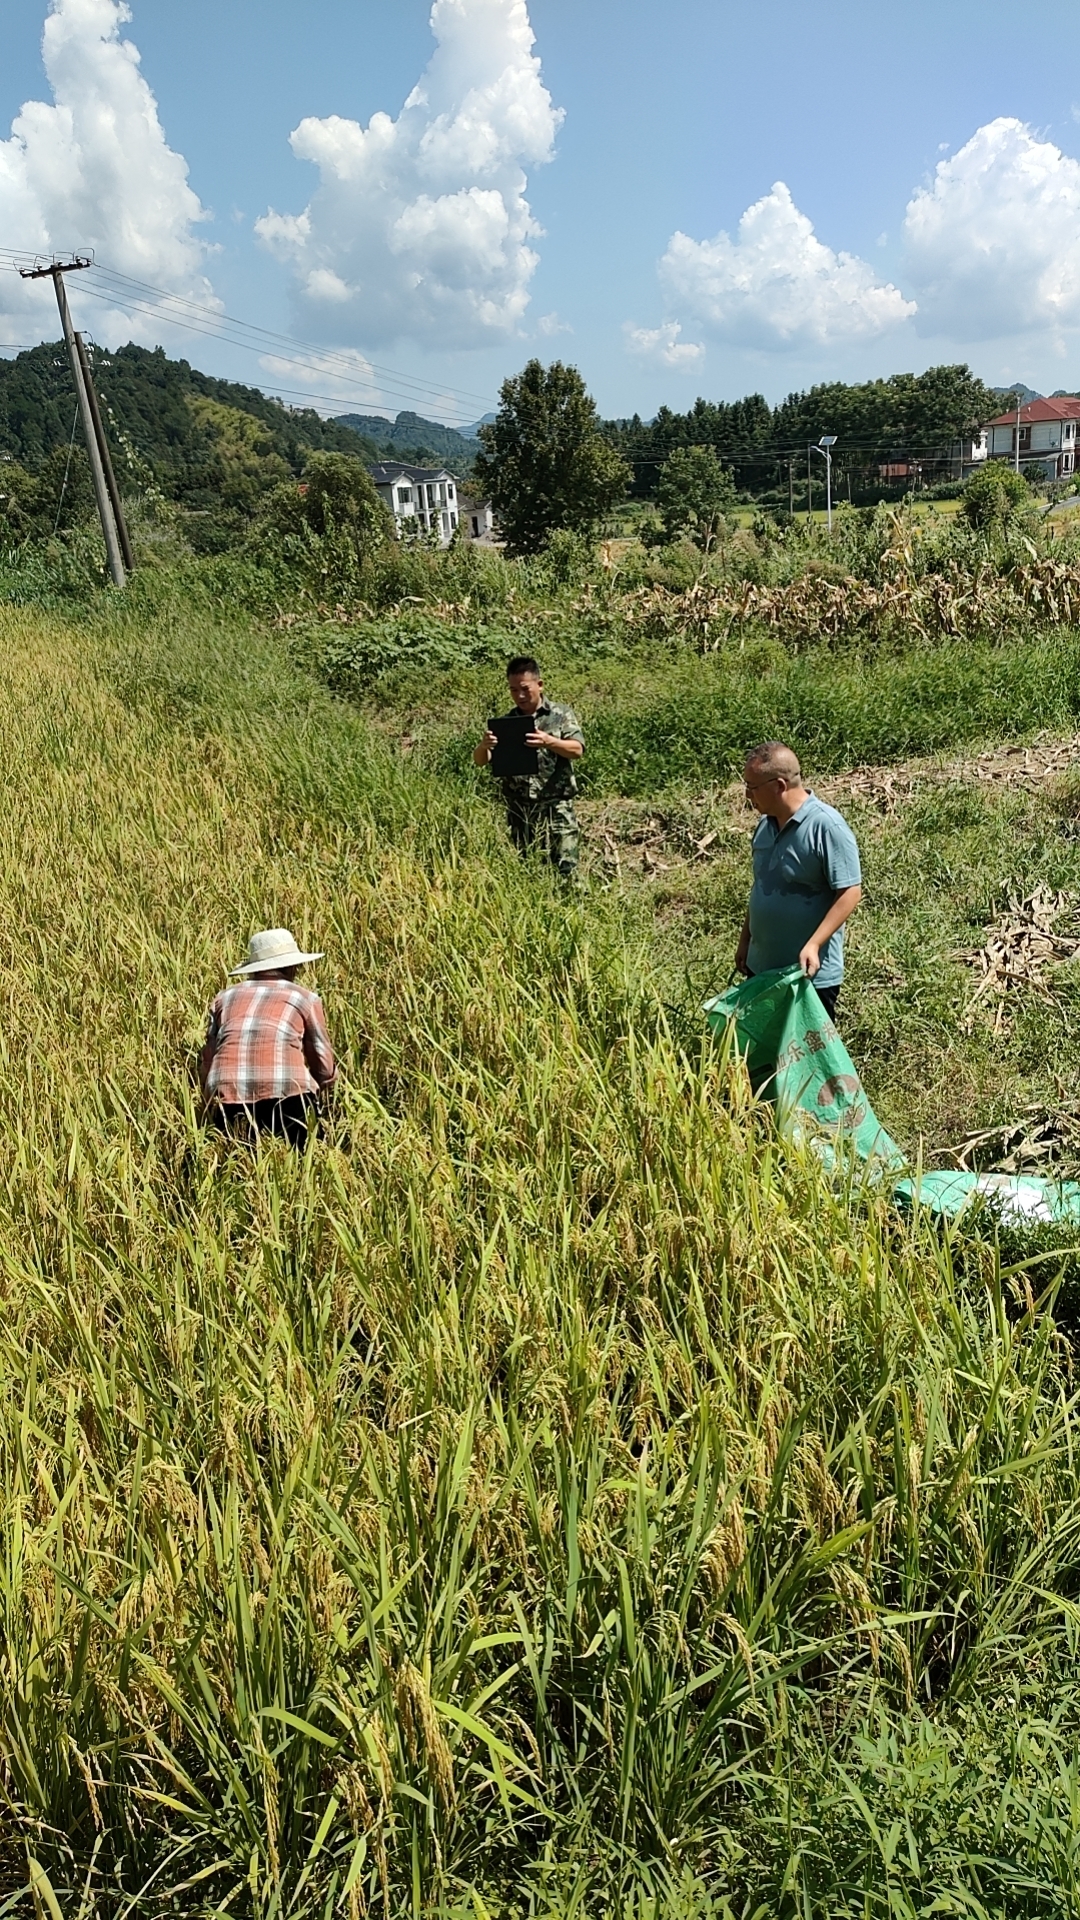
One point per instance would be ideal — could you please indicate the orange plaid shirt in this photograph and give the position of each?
(269, 1042)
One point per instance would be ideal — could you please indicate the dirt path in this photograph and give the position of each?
(1023, 767)
(656, 835)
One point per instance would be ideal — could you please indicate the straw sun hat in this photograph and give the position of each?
(274, 948)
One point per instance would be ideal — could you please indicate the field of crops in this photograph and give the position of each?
(547, 1498)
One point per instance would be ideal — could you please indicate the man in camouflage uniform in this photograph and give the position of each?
(540, 806)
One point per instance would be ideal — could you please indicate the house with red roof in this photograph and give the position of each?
(1047, 431)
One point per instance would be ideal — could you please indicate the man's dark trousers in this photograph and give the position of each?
(829, 997)
(553, 823)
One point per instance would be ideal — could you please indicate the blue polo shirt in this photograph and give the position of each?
(798, 871)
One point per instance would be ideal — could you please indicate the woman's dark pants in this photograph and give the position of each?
(290, 1119)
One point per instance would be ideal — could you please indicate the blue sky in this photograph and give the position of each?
(930, 206)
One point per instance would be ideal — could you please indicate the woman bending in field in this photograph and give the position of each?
(267, 1057)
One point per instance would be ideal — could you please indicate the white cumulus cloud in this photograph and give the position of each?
(776, 285)
(663, 345)
(93, 170)
(993, 244)
(419, 226)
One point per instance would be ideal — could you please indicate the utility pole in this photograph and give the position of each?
(1016, 459)
(791, 489)
(809, 489)
(106, 458)
(80, 373)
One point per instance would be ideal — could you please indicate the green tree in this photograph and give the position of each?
(917, 411)
(247, 465)
(19, 501)
(693, 494)
(995, 494)
(741, 429)
(545, 464)
(324, 530)
(336, 495)
(161, 432)
(59, 496)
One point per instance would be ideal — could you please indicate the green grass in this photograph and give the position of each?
(661, 718)
(745, 516)
(548, 1497)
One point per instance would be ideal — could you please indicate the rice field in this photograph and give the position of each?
(546, 1497)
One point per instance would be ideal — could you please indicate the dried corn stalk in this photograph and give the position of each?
(955, 602)
(1040, 1137)
(1019, 947)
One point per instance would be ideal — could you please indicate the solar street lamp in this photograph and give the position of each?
(825, 446)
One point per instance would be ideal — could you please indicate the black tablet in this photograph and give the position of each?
(512, 759)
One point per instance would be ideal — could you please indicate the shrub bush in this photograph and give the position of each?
(995, 494)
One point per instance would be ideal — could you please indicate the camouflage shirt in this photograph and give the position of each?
(554, 779)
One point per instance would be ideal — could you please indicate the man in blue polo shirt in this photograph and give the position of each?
(807, 878)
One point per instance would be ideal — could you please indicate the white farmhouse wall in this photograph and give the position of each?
(1045, 436)
(427, 497)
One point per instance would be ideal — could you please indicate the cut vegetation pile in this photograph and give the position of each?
(548, 1497)
(1027, 939)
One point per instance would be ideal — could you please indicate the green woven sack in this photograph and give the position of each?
(796, 1058)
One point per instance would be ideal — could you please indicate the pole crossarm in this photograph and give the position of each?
(74, 265)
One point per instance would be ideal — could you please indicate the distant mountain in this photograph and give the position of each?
(1026, 393)
(412, 437)
(184, 426)
(473, 432)
(373, 426)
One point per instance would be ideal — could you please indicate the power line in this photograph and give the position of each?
(286, 340)
(213, 333)
(775, 456)
(191, 317)
(335, 400)
(363, 401)
(214, 324)
(854, 442)
(643, 451)
(427, 396)
(67, 469)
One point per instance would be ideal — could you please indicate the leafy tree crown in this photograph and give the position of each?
(544, 462)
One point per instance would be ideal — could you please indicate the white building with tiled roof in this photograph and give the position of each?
(421, 499)
(1047, 431)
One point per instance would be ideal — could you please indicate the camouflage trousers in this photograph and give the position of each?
(551, 824)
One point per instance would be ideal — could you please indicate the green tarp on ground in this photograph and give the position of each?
(796, 1058)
